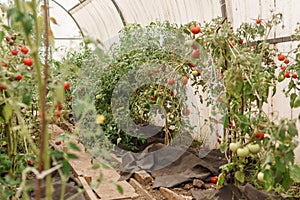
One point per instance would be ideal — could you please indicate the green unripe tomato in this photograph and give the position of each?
(234, 146)
(243, 152)
(254, 148)
(195, 73)
(260, 176)
(189, 43)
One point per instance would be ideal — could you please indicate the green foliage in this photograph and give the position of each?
(154, 53)
(277, 159)
(248, 66)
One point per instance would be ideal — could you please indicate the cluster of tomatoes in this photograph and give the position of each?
(59, 107)
(195, 29)
(287, 73)
(10, 61)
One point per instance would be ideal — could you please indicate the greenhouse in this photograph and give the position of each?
(140, 99)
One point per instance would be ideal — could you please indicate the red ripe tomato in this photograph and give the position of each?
(14, 37)
(24, 50)
(155, 70)
(152, 97)
(14, 52)
(286, 61)
(57, 113)
(19, 77)
(295, 75)
(70, 98)
(66, 86)
(194, 46)
(232, 44)
(195, 29)
(4, 64)
(2, 86)
(287, 74)
(260, 135)
(171, 81)
(30, 162)
(258, 21)
(28, 61)
(195, 54)
(187, 111)
(185, 80)
(283, 67)
(192, 65)
(241, 41)
(59, 106)
(58, 142)
(281, 57)
(214, 179)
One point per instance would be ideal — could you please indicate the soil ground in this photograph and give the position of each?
(183, 191)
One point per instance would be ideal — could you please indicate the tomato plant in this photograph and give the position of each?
(158, 63)
(249, 75)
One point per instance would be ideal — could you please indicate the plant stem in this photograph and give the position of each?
(44, 140)
(44, 160)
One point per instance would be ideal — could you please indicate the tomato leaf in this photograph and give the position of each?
(297, 102)
(240, 176)
(120, 189)
(96, 166)
(27, 98)
(292, 99)
(295, 173)
(53, 20)
(221, 180)
(292, 131)
(72, 156)
(2, 34)
(7, 112)
(74, 147)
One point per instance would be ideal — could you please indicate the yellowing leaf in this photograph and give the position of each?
(53, 20)
(240, 176)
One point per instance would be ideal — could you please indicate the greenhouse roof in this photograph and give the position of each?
(103, 19)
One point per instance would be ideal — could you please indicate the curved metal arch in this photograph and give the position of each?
(115, 5)
(223, 8)
(119, 12)
(80, 30)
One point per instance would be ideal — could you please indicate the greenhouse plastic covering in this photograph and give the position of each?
(103, 19)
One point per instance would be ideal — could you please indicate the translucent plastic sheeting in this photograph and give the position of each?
(66, 26)
(68, 4)
(100, 18)
(240, 11)
(175, 11)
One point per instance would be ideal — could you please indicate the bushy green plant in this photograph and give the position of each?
(247, 64)
(153, 59)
